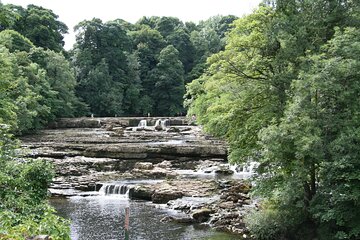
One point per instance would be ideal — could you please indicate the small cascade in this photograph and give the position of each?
(162, 124)
(157, 124)
(165, 123)
(108, 189)
(246, 169)
(142, 123)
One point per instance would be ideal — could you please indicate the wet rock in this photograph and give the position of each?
(98, 186)
(226, 205)
(141, 192)
(185, 129)
(144, 165)
(146, 129)
(202, 215)
(184, 219)
(158, 128)
(224, 171)
(164, 164)
(76, 123)
(192, 203)
(118, 130)
(240, 188)
(165, 196)
(85, 187)
(155, 173)
(173, 129)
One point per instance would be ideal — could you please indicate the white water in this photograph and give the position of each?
(142, 123)
(162, 124)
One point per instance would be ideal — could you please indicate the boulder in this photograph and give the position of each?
(164, 164)
(118, 130)
(144, 165)
(165, 196)
(202, 215)
(227, 205)
(224, 171)
(184, 219)
(141, 192)
(173, 129)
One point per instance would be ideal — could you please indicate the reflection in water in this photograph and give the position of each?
(102, 218)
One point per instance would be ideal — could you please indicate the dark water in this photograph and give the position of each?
(102, 218)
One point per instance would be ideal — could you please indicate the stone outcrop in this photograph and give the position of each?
(87, 122)
(90, 152)
(202, 215)
(165, 196)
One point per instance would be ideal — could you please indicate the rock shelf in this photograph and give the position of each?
(89, 152)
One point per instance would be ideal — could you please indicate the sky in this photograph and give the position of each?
(71, 12)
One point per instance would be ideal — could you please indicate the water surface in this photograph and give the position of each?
(102, 218)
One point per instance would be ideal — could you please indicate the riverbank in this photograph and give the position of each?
(191, 166)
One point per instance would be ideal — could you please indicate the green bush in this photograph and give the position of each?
(276, 221)
(24, 211)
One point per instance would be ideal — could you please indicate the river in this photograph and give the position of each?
(102, 218)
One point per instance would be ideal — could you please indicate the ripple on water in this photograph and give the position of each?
(102, 218)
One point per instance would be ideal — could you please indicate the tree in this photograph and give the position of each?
(29, 90)
(102, 51)
(61, 78)
(7, 84)
(169, 83)
(39, 85)
(40, 26)
(240, 93)
(147, 44)
(284, 93)
(180, 39)
(24, 211)
(209, 38)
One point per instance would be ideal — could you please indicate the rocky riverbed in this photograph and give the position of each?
(192, 169)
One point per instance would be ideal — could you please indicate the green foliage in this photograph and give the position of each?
(14, 41)
(104, 70)
(238, 95)
(41, 26)
(37, 85)
(132, 54)
(61, 78)
(24, 211)
(285, 94)
(169, 83)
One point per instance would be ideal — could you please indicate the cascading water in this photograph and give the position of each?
(161, 124)
(247, 169)
(108, 189)
(165, 123)
(142, 123)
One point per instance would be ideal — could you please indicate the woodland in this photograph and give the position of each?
(280, 85)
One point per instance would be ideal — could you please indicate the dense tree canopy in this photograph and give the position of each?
(284, 93)
(37, 84)
(125, 82)
(24, 211)
(41, 26)
(116, 68)
(281, 85)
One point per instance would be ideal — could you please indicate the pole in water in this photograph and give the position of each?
(127, 212)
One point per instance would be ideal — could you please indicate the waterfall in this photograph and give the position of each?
(142, 123)
(247, 168)
(108, 189)
(158, 123)
(165, 123)
(161, 124)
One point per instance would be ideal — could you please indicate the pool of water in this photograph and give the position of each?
(103, 218)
